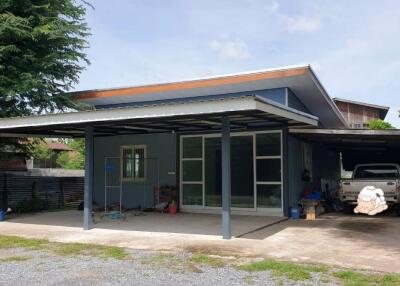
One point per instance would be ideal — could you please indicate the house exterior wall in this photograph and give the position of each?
(296, 168)
(326, 168)
(163, 162)
(161, 168)
(294, 102)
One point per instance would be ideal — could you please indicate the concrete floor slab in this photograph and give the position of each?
(181, 223)
(350, 241)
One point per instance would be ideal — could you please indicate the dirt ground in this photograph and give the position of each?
(355, 241)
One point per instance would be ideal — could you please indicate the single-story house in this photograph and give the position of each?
(246, 143)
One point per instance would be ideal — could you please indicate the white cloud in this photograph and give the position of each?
(231, 50)
(273, 7)
(300, 23)
(303, 24)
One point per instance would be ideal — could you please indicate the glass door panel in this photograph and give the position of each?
(242, 172)
(213, 184)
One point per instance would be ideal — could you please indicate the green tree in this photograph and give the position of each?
(42, 45)
(39, 150)
(379, 124)
(75, 159)
(70, 160)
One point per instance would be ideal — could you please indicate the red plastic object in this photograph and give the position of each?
(172, 209)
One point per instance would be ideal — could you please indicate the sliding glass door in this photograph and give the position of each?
(256, 171)
(242, 172)
(212, 170)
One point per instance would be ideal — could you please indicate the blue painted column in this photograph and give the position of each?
(226, 178)
(88, 190)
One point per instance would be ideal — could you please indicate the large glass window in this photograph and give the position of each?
(242, 176)
(256, 165)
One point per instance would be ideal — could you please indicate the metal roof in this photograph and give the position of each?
(383, 110)
(300, 79)
(245, 112)
(351, 139)
(361, 103)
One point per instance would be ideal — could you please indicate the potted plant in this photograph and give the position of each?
(172, 208)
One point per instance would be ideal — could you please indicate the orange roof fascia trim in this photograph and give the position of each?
(191, 84)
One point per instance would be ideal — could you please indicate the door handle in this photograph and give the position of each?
(346, 183)
(390, 183)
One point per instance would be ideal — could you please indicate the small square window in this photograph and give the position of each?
(134, 162)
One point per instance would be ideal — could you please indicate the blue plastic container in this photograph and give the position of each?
(295, 212)
(314, 196)
(1, 215)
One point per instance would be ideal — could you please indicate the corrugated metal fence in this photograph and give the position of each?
(51, 192)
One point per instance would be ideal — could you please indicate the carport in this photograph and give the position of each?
(216, 114)
(356, 146)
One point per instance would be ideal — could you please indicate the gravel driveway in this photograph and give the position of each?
(141, 268)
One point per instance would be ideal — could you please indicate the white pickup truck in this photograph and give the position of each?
(382, 176)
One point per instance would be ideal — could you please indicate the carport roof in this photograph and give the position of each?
(184, 115)
(345, 139)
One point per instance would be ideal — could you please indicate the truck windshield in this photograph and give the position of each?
(376, 172)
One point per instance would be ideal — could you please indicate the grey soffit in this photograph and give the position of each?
(354, 132)
(246, 112)
(345, 139)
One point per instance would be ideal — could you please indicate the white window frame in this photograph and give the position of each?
(256, 183)
(133, 148)
(181, 160)
(278, 211)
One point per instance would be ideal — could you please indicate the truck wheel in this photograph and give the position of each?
(398, 210)
(348, 209)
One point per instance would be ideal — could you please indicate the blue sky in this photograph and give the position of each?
(354, 46)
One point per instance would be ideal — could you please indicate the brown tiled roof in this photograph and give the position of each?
(59, 146)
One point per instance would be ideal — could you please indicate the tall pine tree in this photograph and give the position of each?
(42, 45)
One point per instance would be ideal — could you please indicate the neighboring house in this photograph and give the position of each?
(359, 114)
(11, 160)
(246, 143)
(50, 163)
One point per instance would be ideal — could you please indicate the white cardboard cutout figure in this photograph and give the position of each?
(371, 201)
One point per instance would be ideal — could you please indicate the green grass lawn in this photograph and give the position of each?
(302, 272)
(292, 271)
(200, 258)
(14, 258)
(351, 278)
(279, 269)
(63, 249)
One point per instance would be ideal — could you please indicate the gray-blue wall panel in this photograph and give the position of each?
(294, 101)
(296, 167)
(161, 151)
(276, 94)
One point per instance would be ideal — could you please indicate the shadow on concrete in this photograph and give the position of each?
(381, 231)
(181, 223)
